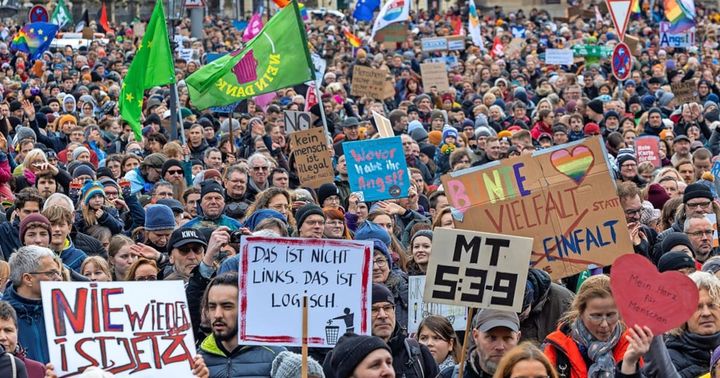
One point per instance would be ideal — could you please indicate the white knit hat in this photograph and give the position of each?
(288, 365)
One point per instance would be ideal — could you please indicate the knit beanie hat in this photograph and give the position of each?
(33, 218)
(657, 196)
(596, 105)
(83, 170)
(90, 190)
(449, 132)
(211, 186)
(426, 233)
(675, 261)
(104, 172)
(697, 190)
(435, 137)
(325, 191)
(621, 159)
(259, 215)
(351, 350)
(159, 218)
(22, 133)
(429, 150)
(155, 160)
(304, 212)
(381, 293)
(419, 134)
(107, 181)
(711, 266)
(79, 150)
(380, 246)
(674, 239)
(169, 164)
(288, 365)
(65, 118)
(369, 230)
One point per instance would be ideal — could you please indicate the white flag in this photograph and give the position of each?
(474, 26)
(61, 15)
(393, 11)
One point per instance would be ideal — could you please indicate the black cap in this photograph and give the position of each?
(184, 236)
(681, 137)
(211, 186)
(675, 261)
(380, 293)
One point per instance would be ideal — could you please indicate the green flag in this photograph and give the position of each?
(276, 58)
(61, 15)
(151, 67)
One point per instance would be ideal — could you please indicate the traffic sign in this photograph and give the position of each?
(620, 13)
(189, 4)
(38, 13)
(621, 61)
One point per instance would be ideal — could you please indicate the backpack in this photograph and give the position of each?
(414, 357)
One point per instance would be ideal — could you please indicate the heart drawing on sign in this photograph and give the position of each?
(575, 164)
(646, 297)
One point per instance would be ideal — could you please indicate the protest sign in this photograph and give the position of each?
(515, 46)
(712, 218)
(478, 269)
(661, 301)
(368, 82)
(313, 159)
(435, 75)
(647, 148)
(434, 44)
(456, 43)
(139, 29)
(275, 274)
(676, 40)
(563, 196)
(120, 327)
(396, 32)
(419, 309)
(685, 92)
(296, 121)
(715, 170)
(634, 44)
(383, 125)
(377, 167)
(559, 56)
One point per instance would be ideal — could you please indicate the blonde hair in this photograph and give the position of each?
(593, 288)
(33, 155)
(99, 262)
(524, 352)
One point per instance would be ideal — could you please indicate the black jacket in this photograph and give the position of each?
(402, 362)
(10, 240)
(690, 353)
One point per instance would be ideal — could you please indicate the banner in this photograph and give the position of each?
(477, 269)
(275, 274)
(392, 12)
(313, 159)
(121, 327)
(435, 75)
(564, 197)
(369, 82)
(685, 92)
(683, 39)
(377, 167)
(559, 56)
(434, 44)
(647, 148)
(418, 309)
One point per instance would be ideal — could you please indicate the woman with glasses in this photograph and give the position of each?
(335, 226)
(273, 198)
(592, 341)
(143, 270)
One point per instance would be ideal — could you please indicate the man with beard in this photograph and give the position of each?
(221, 351)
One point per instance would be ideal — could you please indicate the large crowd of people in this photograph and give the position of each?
(84, 200)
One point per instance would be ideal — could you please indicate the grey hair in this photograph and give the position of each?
(686, 224)
(26, 260)
(266, 233)
(255, 156)
(704, 281)
(59, 199)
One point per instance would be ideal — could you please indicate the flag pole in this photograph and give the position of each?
(322, 109)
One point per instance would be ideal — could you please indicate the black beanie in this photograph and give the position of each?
(211, 186)
(325, 191)
(380, 293)
(621, 159)
(350, 350)
(596, 105)
(697, 190)
(674, 239)
(675, 261)
(302, 213)
(168, 164)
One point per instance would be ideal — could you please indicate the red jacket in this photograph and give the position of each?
(539, 128)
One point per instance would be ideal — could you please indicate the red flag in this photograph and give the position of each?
(281, 3)
(497, 48)
(352, 38)
(103, 20)
(456, 23)
(310, 97)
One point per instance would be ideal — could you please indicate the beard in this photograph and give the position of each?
(227, 334)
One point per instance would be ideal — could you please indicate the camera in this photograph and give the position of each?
(235, 237)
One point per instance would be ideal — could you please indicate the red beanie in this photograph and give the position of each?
(657, 196)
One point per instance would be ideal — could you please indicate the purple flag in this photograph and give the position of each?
(254, 27)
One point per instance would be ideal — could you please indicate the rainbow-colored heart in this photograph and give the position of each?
(575, 164)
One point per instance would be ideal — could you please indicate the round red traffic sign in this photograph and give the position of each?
(621, 61)
(38, 13)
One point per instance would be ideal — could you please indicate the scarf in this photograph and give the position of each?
(600, 352)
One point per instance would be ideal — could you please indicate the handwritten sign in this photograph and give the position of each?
(455, 43)
(368, 82)
(675, 40)
(647, 148)
(435, 75)
(477, 269)
(419, 309)
(383, 125)
(564, 197)
(275, 274)
(296, 121)
(121, 327)
(377, 167)
(661, 301)
(313, 159)
(559, 56)
(685, 92)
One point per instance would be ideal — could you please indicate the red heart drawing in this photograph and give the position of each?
(646, 297)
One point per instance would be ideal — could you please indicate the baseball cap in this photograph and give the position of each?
(184, 236)
(488, 319)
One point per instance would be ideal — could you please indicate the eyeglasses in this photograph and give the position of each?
(261, 168)
(315, 222)
(598, 319)
(49, 273)
(698, 204)
(380, 262)
(388, 308)
(178, 172)
(700, 233)
(631, 165)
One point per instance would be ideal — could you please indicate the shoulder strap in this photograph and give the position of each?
(415, 356)
(563, 365)
(12, 363)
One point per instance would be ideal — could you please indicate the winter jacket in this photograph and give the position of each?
(11, 366)
(10, 240)
(550, 303)
(110, 219)
(244, 361)
(560, 345)
(34, 368)
(397, 282)
(138, 184)
(72, 257)
(540, 128)
(472, 368)
(30, 324)
(657, 251)
(402, 362)
(88, 244)
(690, 353)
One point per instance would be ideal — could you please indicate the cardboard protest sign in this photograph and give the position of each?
(478, 269)
(564, 197)
(368, 82)
(559, 56)
(685, 92)
(634, 44)
(419, 309)
(121, 327)
(435, 75)
(296, 121)
(313, 159)
(377, 167)
(661, 301)
(139, 29)
(647, 148)
(383, 125)
(396, 32)
(515, 46)
(275, 274)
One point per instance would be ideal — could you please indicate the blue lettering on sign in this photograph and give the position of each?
(580, 241)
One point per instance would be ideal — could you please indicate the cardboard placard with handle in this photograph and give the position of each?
(435, 75)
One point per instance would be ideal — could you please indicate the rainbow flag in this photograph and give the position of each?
(681, 14)
(352, 38)
(635, 7)
(35, 38)
(303, 12)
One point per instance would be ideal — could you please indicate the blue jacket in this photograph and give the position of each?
(137, 182)
(244, 361)
(31, 325)
(72, 257)
(224, 220)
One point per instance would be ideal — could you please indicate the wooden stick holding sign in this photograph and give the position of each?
(463, 350)
(383, 125)
(304, 366)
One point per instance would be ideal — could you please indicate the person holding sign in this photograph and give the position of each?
(591, 340)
